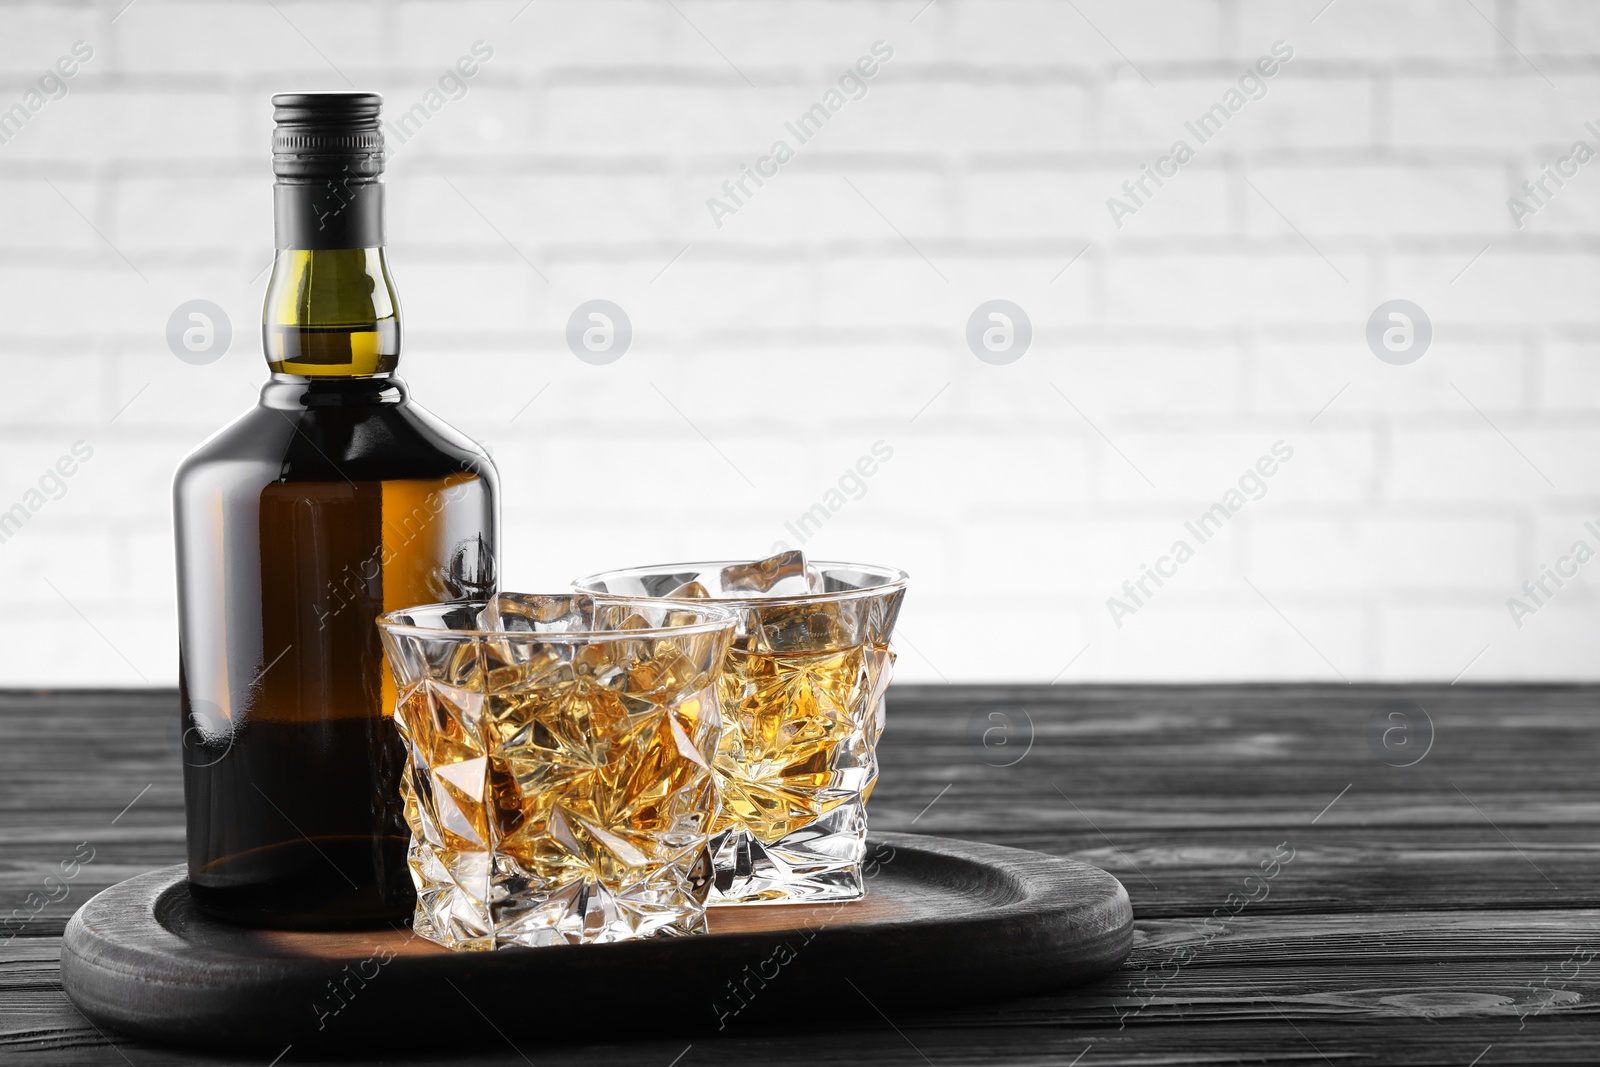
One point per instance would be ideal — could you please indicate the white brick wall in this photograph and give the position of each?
(810, 325)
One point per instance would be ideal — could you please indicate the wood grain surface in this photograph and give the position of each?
(1297, 897)
(944, 922)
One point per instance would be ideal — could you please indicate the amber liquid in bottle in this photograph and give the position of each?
(336, 499)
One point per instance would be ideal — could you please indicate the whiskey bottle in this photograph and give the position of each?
(337, 498)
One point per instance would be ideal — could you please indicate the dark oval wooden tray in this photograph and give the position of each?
(943, 922)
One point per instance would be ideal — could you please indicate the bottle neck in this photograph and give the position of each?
(330, 310)
(331, 313)
(323, 211)
(292, 392)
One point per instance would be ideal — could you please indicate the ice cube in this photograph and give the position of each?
(648, 584)
(785, 574)
(690, 590)
(529, 613)
(810, 626)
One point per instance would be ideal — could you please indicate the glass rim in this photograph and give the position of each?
(717, 618)
(896, 579)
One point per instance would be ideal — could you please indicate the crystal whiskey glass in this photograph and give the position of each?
(558, 780)
(802, 695)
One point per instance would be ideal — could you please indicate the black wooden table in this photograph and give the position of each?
(1353, 874)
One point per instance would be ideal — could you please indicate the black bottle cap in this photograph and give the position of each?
(327, 135)
(327, 157)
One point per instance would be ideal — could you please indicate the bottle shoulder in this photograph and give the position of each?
(447, 438)
(349, 439)
(252, 438)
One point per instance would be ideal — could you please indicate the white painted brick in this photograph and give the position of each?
(957, 389)
(1421, 641)
(873, 531)
(808, 34)
(612, 117)
(1090, 373)
(1556, 644)
(550, 550)
(1509, 113)
(1011, 202)
(447, 374)
(1003, 31)
(537, 210)
(39, 217)
(1556, 534)
(1302, 108)
(851, 382)
(1038, 469)
(1298, 109)
(1378, 201)
(500, 294)
(1287, 285)
(1564, 451)
(147, 562)
(549, 547)
(1382, 554)
(1148, 120)
(346, 35)
(39, 301)
(1571, 376)
(1331, 465)
(936, 642)
(907, 112)
(1554, 28)
(1088, 554)
(1305, 376)
(23, 461)
(818, 202)
(37, 34)
(1193, 469)
(1377, 32)
(1150, 30)
(1569, 208)
(1212, 571)
(125, 479)
(98, 120)
(1507, 285)
(55, 391)
(1074, 205)
(51, 547)
(55, 643)
(833, 469)
(44, 531)
(806, 327)
(547, 33)
(153, 388)
(706, 292)
(546, 555)
(165, 38)
(701, 510)
(1424, 642)
(1173, 641)
(190, 212)
(1149, 378)
(899, 288)
(878, 205)
(495, 117)
(1034, 31)
(1461, 461)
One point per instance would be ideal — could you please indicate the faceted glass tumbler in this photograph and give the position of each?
(802, 703)
(558, 784)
